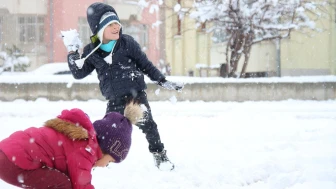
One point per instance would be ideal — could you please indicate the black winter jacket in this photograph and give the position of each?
(125, 75)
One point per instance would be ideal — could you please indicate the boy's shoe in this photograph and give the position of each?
(162, 162)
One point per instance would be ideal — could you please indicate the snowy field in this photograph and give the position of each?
(229, 145)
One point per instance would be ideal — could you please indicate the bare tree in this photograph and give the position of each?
(248, 22)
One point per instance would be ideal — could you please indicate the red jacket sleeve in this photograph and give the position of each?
(79, 167)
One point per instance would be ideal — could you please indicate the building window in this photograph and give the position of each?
(218, 33)
(84, 30)
(31, 29)
(138, 31)
(143, 35)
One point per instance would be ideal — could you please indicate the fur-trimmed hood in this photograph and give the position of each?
(75, 132)
(73, 123)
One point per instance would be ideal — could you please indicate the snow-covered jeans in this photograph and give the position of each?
(148, 126)
(34, 179)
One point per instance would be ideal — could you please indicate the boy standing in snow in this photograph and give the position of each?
(62, 153)
(120, 65)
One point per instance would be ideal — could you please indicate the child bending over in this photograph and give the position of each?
(62, 153)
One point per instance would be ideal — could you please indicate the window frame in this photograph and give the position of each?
(31, 29)
(84, 30)
(219, 35)
(138, 31)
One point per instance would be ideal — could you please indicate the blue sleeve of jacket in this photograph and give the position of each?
(87, 67)
(142, 62)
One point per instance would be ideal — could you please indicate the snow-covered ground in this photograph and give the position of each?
(251, 145)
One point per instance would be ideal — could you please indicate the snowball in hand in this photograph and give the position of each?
(71, 40)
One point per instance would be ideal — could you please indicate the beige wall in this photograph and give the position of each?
(299, 55)
(189, 41)
(184, 51)
(173, 42)
(312, 54)
(332, 43)
(177, 63)
(203, 46)
(302, 55)
(262, 59)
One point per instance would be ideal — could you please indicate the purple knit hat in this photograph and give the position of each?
(114, 133)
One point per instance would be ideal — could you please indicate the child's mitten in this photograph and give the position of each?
(171, 85)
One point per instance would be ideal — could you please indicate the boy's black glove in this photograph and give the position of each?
(171, 85)
(72, 57)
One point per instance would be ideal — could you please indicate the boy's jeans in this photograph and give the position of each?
(148, 126)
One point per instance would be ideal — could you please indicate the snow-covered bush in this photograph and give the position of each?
(13, 60)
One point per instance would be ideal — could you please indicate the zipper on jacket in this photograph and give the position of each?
(113, 52)
(115, 45)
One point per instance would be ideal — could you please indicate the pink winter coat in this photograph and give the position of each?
(67, 143)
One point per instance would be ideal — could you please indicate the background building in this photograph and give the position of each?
(186, 45)
(312, 54)
(189, 47)
(176, 46)
(34, 27)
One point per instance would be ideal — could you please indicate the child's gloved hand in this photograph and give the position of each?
(71, 40)
(74, 58)
(171, 85)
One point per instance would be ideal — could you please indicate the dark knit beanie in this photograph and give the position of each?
(107, 19)
(94, 14)
(114, 133)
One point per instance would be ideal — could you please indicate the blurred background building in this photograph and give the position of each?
(34, 27)
(176, 46)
